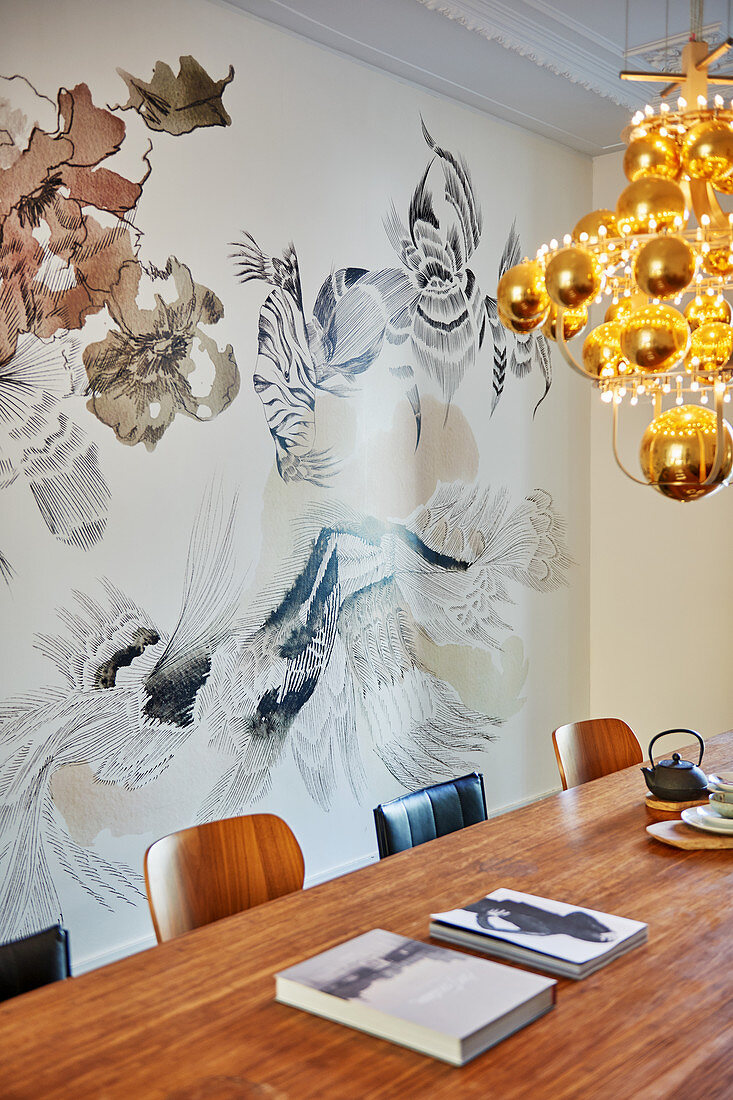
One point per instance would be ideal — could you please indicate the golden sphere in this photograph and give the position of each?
(522, 326)
(652, 155)
(707, 307)
(521, 295)
(718, 261)
(648, 200)
(664, 267)
(573, 322)
(678, 450)
(725, 185)
(572, 277)
(707, 151)
(602, 355)
(712, 344)
(619, 311)
(591, 223)
(654, 338)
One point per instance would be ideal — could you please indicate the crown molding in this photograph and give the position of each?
(552, 40)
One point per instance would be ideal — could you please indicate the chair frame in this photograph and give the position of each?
(593, 748)
(210, 871)
(378, 811)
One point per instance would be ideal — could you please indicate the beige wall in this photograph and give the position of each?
(661, 583)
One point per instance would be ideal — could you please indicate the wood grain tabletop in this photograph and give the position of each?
(195, 1018)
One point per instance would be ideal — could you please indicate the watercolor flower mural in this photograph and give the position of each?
(158, 362)
(178, 104)
(327, 670)
(63, 235)
(429, 311)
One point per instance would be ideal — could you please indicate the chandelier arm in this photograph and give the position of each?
(564, 349)
(616, 455)
(719, 437)
(703, 201)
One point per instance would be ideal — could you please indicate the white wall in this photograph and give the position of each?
(661, 584)
(317, 150)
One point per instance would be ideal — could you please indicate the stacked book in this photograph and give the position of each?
(451, 1005)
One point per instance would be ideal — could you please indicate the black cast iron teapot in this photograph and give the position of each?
(676, 780)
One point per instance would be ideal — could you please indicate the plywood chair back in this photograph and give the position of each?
(210, 871)
(587, 750)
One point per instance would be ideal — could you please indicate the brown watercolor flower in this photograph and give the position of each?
(178, 104)
(58, 262)
(159, 362)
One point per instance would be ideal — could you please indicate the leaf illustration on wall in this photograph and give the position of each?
(334, 653)
(519, 351)
(159, 362)
(430, 309)
(178, 104)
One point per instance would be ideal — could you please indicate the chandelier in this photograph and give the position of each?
(662, 263)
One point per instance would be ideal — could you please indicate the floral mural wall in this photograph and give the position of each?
(261, 510)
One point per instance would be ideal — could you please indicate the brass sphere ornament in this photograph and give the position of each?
(712, 344)
(650, 203)
(678, 450)
(707, 151)
(573, 322)
(654, 338)
(522, 326)
(652, 155)
(591, 225)
(664, 266)
(707, 307)
(521, 296)
(602, 354)
(572, 277)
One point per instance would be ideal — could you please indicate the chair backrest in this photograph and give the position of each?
(33, 961)
(424, 815)
(596, 747)
(207, 872)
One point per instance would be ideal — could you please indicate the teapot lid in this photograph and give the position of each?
(676, 763)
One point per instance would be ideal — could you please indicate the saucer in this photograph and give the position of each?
(702, 817)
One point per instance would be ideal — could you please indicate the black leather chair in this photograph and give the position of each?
(424, 815)
(34, 961)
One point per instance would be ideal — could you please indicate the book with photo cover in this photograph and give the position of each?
(547, 935)
(443, 1003)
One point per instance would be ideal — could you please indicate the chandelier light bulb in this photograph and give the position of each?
(702, 101)
(606, 396)
(567, 239)
(681, 102)
(664, 108)
(703, 398)
(718, 101)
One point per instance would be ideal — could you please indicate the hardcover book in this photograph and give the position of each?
(439, 1002)
(547, 935)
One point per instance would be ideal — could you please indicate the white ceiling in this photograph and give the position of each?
(550, 66)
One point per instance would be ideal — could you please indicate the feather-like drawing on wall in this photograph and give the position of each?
(430, 309)
(44, 446)
(519, 351)
(178, 104)
(334, 654)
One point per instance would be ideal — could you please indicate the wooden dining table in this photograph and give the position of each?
(196, 1018)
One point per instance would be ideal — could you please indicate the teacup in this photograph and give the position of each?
(721, 804)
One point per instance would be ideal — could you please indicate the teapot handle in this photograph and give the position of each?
(665, 732)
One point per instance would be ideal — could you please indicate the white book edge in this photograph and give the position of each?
(548, 964)
(447, 1048)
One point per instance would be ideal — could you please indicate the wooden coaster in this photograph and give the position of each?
(673, 807)
(680, 835)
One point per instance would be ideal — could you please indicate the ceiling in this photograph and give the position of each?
(550, 66)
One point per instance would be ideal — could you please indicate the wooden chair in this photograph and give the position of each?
(424, 815)
(596, 747)
(210, 871)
